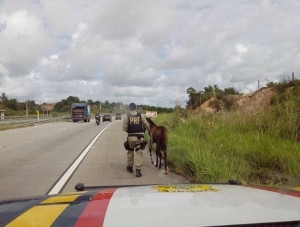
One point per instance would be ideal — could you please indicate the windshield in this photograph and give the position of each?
(125, 93)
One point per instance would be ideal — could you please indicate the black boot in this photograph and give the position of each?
(138, 173)
(129, 168)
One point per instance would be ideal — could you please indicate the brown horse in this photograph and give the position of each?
(159, 136)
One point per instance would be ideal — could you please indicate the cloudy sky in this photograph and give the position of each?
(144, 51)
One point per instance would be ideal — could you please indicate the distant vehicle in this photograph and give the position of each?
(80, 112)
(106, 117)
(118, 116)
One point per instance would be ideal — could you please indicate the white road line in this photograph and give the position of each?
(59, 185)
(62, 129)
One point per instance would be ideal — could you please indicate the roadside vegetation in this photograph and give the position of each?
(261, 147)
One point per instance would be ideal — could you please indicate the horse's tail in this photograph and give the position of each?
(164, 138)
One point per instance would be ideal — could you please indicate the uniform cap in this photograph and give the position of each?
(132, 106)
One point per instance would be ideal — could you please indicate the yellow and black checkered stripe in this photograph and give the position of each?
(76, 209)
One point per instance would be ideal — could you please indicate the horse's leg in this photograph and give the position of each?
(164, 149)
(166, 161)
(150, 151)
(160, 157)
(151, 158)
(158, 153)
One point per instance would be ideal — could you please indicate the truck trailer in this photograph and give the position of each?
(80, 112)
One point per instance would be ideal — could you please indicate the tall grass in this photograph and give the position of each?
(261, 147)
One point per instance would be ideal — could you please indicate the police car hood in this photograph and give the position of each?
(157, 205)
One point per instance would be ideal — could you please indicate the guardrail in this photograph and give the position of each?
(24, 121)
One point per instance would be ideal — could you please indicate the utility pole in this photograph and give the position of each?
(26, 109)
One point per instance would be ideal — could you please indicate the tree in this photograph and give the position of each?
(4, 99)
(31, 106)
(231, 91)
(65, 104)
(191, 92)
(72, 99)
(208, 90)
(211, 91)
(12, 104)
(90, 102)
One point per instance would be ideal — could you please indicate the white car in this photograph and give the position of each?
(158, 206)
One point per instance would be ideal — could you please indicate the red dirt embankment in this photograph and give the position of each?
(253, 101)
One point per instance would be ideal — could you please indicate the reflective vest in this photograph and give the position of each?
(135, 123)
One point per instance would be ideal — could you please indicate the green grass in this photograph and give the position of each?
(254, 148)
(4, 127)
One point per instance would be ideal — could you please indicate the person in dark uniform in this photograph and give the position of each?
(97, 115)
(135, 125)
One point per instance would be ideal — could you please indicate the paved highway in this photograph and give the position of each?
(52, 158)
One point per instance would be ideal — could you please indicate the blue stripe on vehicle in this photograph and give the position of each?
(70, 215)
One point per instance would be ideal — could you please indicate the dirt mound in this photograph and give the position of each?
(252, 102)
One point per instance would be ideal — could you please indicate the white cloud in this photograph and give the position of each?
(22, 42)
(146, 51)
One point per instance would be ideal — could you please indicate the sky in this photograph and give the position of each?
(144, 51)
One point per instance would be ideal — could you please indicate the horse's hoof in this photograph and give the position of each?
(152, 163)
(167, 170)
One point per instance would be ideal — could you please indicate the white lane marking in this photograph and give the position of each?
(62, 129)
(59, 185)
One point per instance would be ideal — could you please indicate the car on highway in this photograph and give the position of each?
(106, 117)
(175, 205)
(118, 116)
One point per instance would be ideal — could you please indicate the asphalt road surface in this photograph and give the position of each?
(53, 158)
